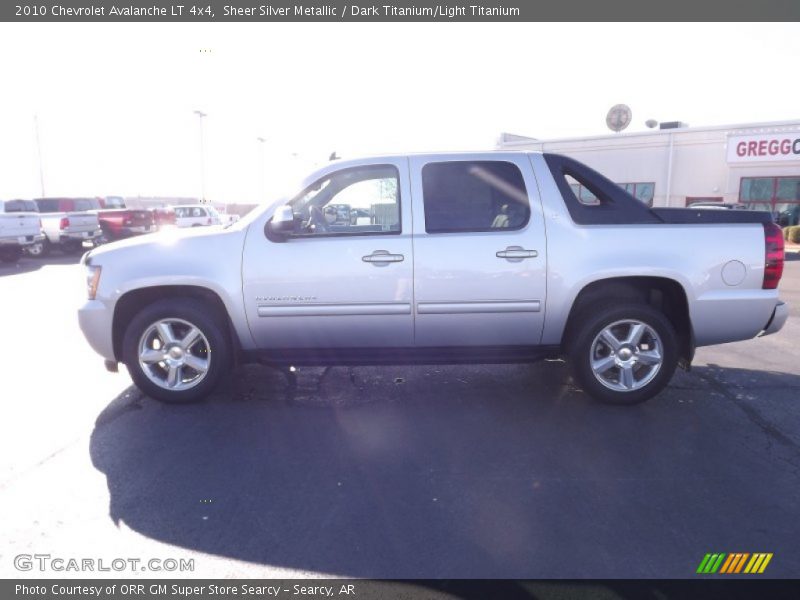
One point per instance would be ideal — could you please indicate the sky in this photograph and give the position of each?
(115, 102)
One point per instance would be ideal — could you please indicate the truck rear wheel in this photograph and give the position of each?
(72, 247)
(176, 350)
(623, 354)
(38, 249)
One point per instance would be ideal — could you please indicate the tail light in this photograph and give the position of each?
(209, 221)
(40, 223)
(64, 223)
(773, 246)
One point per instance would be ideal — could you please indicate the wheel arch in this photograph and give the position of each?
(133, 301)
(662, 293)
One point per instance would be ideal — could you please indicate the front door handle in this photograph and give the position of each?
(381, 258)
(516, 253)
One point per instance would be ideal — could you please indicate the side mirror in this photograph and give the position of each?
(280, 225)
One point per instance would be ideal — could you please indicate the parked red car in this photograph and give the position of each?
(118, 222)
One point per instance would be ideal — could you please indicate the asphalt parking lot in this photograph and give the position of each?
(392, 472)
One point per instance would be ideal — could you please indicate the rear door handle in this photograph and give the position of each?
(381, 258)
(516, 253)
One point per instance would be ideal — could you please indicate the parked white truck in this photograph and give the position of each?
(20, 228)
(452, 258)
(67, 223)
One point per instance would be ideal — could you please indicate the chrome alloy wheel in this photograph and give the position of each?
(174, 354)
(626, 355)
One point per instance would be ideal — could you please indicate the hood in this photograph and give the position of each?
(163, 241)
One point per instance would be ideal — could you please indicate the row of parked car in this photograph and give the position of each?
(37, 227)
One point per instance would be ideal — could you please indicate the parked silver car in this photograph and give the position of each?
(451, 258)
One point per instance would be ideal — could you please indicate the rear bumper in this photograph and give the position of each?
(130, 231)
(79, 236)
(22, 240)
(777, 320)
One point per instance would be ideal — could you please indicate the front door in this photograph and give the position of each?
(343, 279)
(479, 252)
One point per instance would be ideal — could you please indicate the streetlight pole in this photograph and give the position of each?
(39, 152)
(201, 115)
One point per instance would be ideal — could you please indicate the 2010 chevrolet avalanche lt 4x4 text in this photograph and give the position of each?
(487, 257)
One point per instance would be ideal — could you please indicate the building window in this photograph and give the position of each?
(778, 195)
(691, 200)
(642, 191)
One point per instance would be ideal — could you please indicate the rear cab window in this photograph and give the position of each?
(47, 205)
(17, 206)
(86, 204)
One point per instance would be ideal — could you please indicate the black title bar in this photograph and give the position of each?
(398, 10)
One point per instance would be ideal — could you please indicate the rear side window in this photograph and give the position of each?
(467, 196)
(20, 206)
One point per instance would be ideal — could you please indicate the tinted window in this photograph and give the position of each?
(474, 196)
(47, 205)
(20, 206)
(84, 204)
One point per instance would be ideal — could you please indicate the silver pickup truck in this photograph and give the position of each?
(441, 258)
(67, 223)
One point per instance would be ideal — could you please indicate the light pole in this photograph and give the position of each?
(201, 115)
(261, 168)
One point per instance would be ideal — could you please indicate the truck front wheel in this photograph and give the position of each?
(176, 350)
(623, 354)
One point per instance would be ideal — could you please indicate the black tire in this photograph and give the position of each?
(580, 350)
(10, 254)
(195, 312)
(38, 249)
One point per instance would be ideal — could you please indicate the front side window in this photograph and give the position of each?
(467, 196)
(357, 201)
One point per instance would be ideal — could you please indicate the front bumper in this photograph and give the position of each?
(777, 320)
(95, 319)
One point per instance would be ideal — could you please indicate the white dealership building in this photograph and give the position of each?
(757, 164)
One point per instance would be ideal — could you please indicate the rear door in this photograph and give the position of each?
(479, 251)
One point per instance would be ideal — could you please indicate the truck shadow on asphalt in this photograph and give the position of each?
(482, 471)
(28, 265)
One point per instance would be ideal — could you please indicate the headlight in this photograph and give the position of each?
(92, 280)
